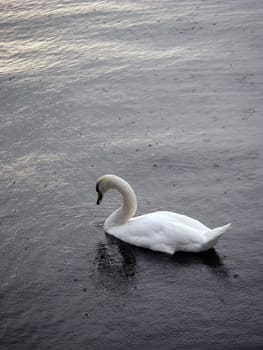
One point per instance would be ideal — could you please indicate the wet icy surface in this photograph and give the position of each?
(167, 95)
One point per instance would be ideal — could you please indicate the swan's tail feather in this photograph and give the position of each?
(214, 234)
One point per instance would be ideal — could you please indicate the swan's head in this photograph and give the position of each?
(104, 183)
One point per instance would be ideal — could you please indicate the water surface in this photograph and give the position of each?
(168, 95)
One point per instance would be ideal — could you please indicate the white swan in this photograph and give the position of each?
(162, 231)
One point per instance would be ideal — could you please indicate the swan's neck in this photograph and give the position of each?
(129, 205)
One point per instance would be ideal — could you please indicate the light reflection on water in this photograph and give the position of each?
(35, 39)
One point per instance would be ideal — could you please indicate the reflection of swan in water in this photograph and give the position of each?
(209, 258)
(115, 262)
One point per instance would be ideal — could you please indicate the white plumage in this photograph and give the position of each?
(161, 231)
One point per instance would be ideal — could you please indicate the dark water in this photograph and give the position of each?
(168, 95)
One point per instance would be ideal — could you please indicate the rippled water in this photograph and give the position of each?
(168, 95)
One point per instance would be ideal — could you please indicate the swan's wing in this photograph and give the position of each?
(183, 219)
(159, 231)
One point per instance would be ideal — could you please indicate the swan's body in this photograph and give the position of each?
(162, 231)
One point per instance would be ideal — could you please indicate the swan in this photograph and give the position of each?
(161, 231)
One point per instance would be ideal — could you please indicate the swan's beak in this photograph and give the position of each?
(100, 196)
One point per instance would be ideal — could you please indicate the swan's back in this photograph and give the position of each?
(183, 219)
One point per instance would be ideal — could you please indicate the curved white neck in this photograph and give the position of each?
(129, 205)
